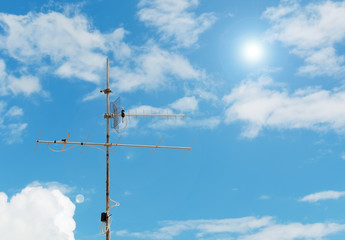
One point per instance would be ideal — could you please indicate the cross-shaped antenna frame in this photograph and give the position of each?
(115, 115)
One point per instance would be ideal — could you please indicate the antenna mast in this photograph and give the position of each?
(115, 115)
(107, 91)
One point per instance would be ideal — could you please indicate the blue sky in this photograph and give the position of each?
(262, 87)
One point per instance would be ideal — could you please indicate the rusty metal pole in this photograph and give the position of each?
(107, 183)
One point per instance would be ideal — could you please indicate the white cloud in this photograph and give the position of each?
(11, 129)
(70, 47)
(127, 193)
(312, 32)
(325, 195)
(3, 73)
(174, 21)
(14, 111)
(188, 122)
(264, 197)
(37, 213)
(171, 229)
(153, 68)
(246, 228)
(25, 84)
(164, 123)
(294, 231)
(263, 104)
(324, 61)
(64, 188)
(92, 95)
(185, 104)
(209, 96)
(65, 45)
(14, 132)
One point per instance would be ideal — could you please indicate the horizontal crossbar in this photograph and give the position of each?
(113, 145)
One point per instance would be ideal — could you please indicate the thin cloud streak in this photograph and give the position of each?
(325, 195)
(246, 228)
(171, 229)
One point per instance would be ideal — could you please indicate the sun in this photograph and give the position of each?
(253, 51)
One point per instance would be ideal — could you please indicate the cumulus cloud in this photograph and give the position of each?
(246, 228)
(312, 31)
(264, 104)
(174, 20)
(37, 213)
(325, 195)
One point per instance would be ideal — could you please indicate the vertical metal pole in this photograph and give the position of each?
(107, 184)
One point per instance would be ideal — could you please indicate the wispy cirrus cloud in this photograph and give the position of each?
(325, 195)
(246, 228)
(312, 32)
(174, 20)
(264, 104)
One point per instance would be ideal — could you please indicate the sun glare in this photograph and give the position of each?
(253, 51)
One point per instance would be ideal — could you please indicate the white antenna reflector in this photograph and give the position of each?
(115, 109)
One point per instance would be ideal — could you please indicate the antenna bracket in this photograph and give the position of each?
(108, 115)
(106, 91)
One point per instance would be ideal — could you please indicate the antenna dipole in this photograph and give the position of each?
(105, 216)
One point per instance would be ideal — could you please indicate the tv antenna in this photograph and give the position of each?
(116, 115)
